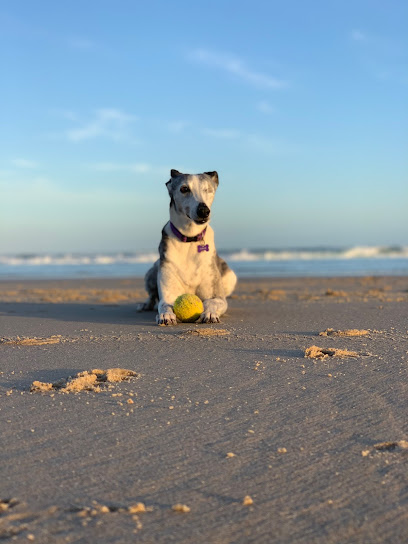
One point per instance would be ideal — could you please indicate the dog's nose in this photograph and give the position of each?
(203, 211)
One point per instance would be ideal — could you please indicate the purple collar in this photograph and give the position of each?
(183, 238)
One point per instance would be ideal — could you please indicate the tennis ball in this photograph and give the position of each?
(188, 308)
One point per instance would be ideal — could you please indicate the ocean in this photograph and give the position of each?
(307, 262)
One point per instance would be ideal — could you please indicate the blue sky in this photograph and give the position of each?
(300, 106)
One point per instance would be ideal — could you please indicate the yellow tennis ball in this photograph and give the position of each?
(188, 308)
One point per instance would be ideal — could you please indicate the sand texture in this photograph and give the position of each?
(116, 430)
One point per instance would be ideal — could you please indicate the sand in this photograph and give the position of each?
(207, 332)
(347, 332)
(210, 421)
(31, 341)
(88, 380)
(314, 352)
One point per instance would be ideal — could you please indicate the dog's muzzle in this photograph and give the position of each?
(203, 212)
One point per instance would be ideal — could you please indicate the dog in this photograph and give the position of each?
(188, 260)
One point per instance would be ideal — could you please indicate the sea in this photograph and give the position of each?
(266, 262)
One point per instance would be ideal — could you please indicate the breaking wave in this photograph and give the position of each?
(241, 255)
(68, 259)
(311, 262)
(308, 254)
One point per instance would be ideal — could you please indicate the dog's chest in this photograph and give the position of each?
(193, 266)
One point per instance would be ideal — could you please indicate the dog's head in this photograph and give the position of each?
(192, 194)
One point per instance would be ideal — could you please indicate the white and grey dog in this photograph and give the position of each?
(188, 260)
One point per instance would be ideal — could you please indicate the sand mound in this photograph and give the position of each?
(6, 504)
(79, 294)
(207, 332)
(32, 341)
(391, 446)
(334, 293)
(347, 332)
(182, 508)
(314, 352)
(93, 380)
(271, 294)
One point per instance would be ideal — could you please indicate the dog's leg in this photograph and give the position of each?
(169, 289)
(228, 276)
(213, 309)
(148, 306)
(215, 303)
(229, 282)
(151, 288)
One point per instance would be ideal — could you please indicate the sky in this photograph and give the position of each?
(300, 106)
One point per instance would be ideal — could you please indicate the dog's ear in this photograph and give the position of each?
(213, 176)
(175, 173)
(169, 187)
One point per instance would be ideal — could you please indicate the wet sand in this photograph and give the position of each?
(214, 437)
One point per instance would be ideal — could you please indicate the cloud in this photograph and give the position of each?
(382, 57)
(107, 123)
(7, 175)
(358, 36)
(267, 145)
(222, 133)
(253, 141)
(177, 126)
(84, 44)
(115, 167)
(24, 163)
(68, 115)
(135, 168)
(237, 67)
(264, 107)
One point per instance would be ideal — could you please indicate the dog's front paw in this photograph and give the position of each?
(208, 317)
(168, 318)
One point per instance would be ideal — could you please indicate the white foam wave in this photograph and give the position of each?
(75, 260)
(243, 255)
(358, 252)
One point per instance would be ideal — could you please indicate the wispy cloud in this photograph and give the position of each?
(264, 107)
(108, 123)
(383, 57)
(237, 67)
(222, 133)
(358, 35)
(135, 168)
(83, 44)
(24, 163)
(250, 141)
(177, 126)
(6, 175)
(267, 145)
(115, 167)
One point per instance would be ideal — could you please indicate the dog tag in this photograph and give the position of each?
(202, 248)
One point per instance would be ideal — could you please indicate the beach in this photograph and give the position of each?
(222, 433)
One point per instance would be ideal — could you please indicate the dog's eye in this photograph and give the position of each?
(184, 189)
